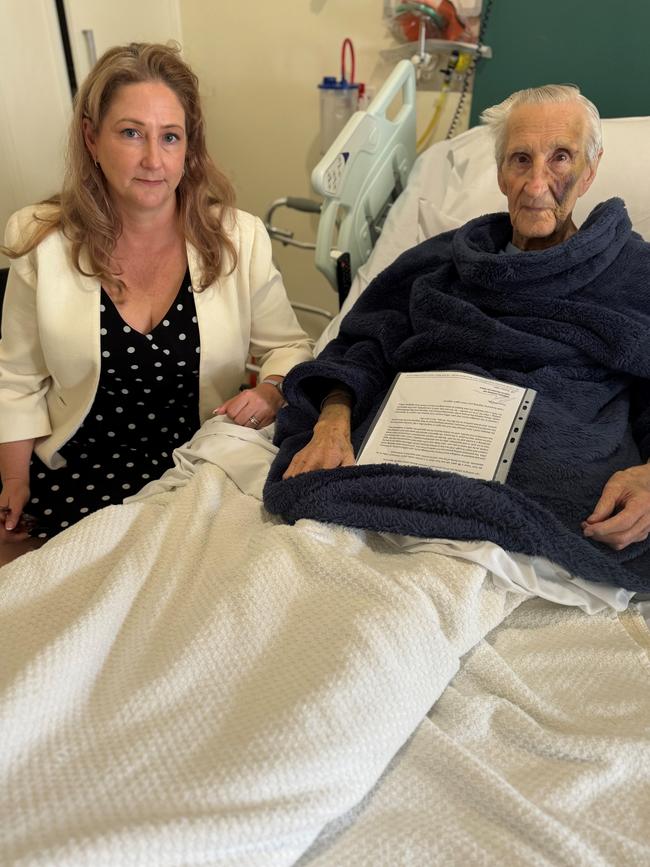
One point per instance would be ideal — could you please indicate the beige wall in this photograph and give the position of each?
(259, 64)
(35, 105)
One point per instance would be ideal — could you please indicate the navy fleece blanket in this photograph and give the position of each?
(572, 322)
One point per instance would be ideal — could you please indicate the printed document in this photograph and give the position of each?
(450, 421)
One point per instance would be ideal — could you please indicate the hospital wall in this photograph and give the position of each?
(259, 64)
(35, 103)
(599, 46)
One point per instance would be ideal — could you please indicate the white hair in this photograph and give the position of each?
(496, 117)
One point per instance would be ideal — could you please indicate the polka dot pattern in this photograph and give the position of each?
(133, 425)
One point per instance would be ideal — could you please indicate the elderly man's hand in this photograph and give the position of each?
(622, 514)
(330, 445)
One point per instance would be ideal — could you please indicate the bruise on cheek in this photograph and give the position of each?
(563, 186)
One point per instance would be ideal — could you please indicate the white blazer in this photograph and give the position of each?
(50, 347)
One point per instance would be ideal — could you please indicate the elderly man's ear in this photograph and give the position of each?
(589, 176)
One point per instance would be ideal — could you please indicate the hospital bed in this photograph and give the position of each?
(187, 680)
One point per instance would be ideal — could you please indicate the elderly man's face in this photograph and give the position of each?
(544, 172)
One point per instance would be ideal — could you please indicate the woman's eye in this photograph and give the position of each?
(170, 137)
(130, 133)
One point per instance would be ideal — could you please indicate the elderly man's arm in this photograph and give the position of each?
(622, 514)
(331, 444)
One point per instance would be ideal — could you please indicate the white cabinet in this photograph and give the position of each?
(95, 25)
(35, 104)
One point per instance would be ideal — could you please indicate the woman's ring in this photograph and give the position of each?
(252, 420)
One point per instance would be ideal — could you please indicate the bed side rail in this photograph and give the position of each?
(361, 175)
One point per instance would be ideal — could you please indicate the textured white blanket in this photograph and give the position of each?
(185, 681)
(538, 753)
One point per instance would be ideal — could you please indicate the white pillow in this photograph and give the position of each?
(624, 171)
(468, 167)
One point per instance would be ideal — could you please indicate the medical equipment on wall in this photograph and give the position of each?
(356, 199)
(457, 65)
(339, 98)
(429, 31)
(448, 37)
(364, 168)
(440, 20)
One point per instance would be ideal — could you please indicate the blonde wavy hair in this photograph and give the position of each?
(84, 211)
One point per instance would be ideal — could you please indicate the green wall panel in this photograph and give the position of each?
(603, 47)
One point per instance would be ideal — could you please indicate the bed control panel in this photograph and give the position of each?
(334, 174)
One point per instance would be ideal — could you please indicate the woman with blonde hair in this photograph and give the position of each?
(134, 298)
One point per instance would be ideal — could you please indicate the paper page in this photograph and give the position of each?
(451, 421)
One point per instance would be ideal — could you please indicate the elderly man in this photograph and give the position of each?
(527, 298)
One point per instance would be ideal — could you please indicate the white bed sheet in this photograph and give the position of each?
(536, 754)
(246, 455)
(186, 680)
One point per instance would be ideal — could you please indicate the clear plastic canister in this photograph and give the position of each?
(338, 102)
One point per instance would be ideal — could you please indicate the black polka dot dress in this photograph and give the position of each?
(146, 404)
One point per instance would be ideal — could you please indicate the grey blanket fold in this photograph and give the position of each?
(572, 322)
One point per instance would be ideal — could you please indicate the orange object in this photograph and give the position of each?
(410, 27)
(454, 29)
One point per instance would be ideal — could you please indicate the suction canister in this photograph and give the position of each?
(338, 102)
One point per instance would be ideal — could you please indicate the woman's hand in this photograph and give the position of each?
(14, 495)
(253, 407)
(330, 445)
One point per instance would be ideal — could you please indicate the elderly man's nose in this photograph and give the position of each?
(537, 180)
